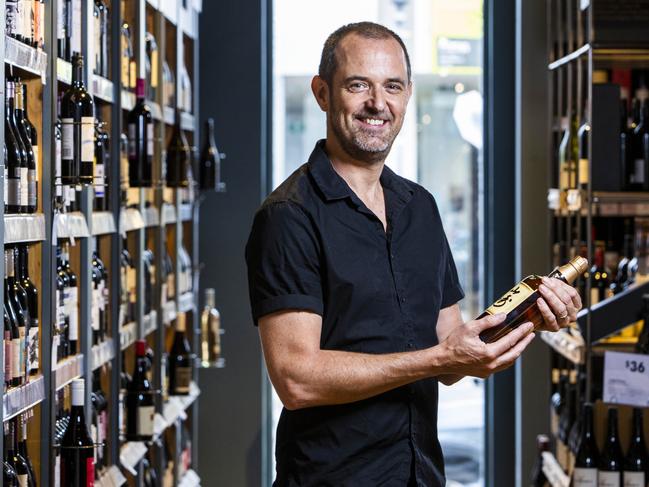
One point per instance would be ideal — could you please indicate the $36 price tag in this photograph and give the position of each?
(626, 379)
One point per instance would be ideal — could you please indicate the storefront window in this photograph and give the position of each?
(439, 147)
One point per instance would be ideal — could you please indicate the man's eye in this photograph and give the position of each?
(358, 86)
(394, 87)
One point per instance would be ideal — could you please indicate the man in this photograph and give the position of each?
(354, 289)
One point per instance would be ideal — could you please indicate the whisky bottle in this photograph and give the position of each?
(519, 304)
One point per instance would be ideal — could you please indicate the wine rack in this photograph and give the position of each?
(595, 67)
(158, 218)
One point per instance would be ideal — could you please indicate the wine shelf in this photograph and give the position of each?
(190, 479)
(127, 335)
(567, 343)
(103, 223)
(20, 399)
(24, 228)
(186, 212)
(70, 225)
(68, 370)
(102, 89)
(186, 302)
(150, 323)
(187, 122)
(112, 477)
(63, 71)
(553, 471)
(26, 58)
(187, 23)
(130, 219)
(168, 214)
(102, 353)
(151, 217)
(128, 100)
(130, 454)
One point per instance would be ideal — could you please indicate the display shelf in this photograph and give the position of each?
(613, 314)
(187, 23)
(190, 479)
(130, 219)
(198, 5)
(151, 217)
(102, 353)
(128, 100)
(127, 335)
(154, 3)
(169, 312)
(187, 122)
(186, 302)
(169, 9)
(25, 58)
(553, 471)
(112, 477)
(24, 228)
(150, 323)
(102, 89)
(567, 342)
(20, 399)
(63, 71)
(620, 203)
(168, 214)
(70, 225)
(186, 212)
(130, 454)
(156, 111)
(175, 408)
(103, 223)
(168, 115)
(68, 370)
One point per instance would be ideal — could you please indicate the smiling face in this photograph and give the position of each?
(366, 102)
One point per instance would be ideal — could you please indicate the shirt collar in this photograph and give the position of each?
(334, 187)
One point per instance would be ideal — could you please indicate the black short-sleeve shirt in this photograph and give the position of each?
(315, 246)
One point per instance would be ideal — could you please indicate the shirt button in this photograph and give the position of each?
(403, 300)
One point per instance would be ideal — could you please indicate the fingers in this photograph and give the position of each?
(509, 357)
(510, 341)
(560, 303)
(488, 321)
(568, 294)
(548, 316)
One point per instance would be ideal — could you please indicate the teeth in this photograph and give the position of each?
(373, 121)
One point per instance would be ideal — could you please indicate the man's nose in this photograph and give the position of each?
(377, 99)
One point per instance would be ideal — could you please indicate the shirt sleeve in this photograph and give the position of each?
(452, 292)
(283, 261)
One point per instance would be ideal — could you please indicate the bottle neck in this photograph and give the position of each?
(10, 264)
(612, 425)
(210, 132)
(77, 75)
(638, 430)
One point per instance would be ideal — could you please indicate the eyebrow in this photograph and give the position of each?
(365, 78)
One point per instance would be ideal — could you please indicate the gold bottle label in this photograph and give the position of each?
(511, 300)
(583, 171)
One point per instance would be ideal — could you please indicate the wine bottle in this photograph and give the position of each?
(149, 279)
(99, 421)
(520, 302)
(125, 380)
(14, 160)
(99, 173)
(599, 277)
(9, 475)
(74, 25)
(140, 139)
(636, 461)
(13, 280)
(587, 459)
(77, 448)
(61, 30)
(152, 65)
(128, 67)
(25, 131)
(210, 331)
(22, 450)
(639, 151)
(538, 478)
(178, 157)
(180, 360)
(11, 18)
(209, 176)
(610, 462)
(25, 151)
(7, 349)
(17, 319)
(32, 299)
(139, 400)
(60, 313)
(78, 123)
(566, 420)
(14, 459)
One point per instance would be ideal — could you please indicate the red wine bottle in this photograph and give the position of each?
(77, 448)
(636, 461)
(140, 140)
(587, 459)
(610, 461)
(78, 123)
(139, 399)
(180, 360)
(209, 177)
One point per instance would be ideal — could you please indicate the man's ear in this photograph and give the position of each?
(320, 90)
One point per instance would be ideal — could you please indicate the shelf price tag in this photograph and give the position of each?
(626, 379)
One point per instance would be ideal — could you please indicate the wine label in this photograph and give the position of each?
(98, 179)
(11, 17)
(20, 28)
(183, 379)
(609, 479)
(584, 477)
(90, 472)
(132, 134)
(57, 468)
(132, 74)
(94, 434)
(125, 63)
(27, 20)
(94, 313)
(60, 20)
(75, 35)
(145, 416)
(36, 154)
(149, 139)
(155, 63)
(32, 189)
(6, 185)
(8, 356)
(56, 339)
(634, 479)
(67, 138)
(131, 279)
(13, 191)
(16, 358)
(22, 349)
(511, 300)
(34, 359)
(594, 295)
(87, 139)
(24, 186)
(22, 480)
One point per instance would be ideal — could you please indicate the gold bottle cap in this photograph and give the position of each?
(573, 269)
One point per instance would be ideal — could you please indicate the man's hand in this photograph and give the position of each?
(466, 354)
(559, 304)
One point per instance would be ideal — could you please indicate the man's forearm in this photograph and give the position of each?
(335, 377)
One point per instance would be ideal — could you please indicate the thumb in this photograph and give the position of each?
(488, 321)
